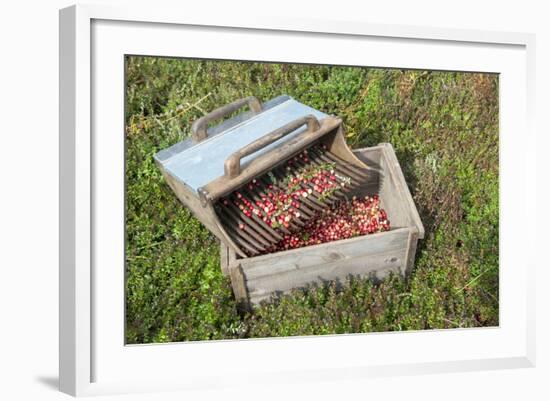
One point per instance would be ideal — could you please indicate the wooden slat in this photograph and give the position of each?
(411, 252)
(376, 266)
(238, 283)
(329, 252)
(224, 259)
(401, 189)
(376, 255)
(391, 201)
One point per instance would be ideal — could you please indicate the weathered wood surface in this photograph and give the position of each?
(374, 255)
(400, 189)
(411, 252)
(224, 259)
(238, 282)
(324, 254)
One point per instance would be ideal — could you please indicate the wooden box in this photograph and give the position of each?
(375, 255)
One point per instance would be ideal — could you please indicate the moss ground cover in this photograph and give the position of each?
(444, 128)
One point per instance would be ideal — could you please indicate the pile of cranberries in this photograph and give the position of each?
(343, 220)
(277, 197)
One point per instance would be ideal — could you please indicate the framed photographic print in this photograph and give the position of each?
(289, 199)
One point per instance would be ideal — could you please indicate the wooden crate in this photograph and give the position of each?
(375, 255)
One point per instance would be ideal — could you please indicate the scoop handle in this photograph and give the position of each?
(232, 165)
(198, 129)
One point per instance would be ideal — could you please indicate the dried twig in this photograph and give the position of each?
(189, 107)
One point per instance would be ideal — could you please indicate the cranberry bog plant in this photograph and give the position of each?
(444, 128)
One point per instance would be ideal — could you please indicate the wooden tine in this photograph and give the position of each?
(249, 226)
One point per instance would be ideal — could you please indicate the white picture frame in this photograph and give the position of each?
(93, 357)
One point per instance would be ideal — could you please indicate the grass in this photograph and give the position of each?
(444, 128)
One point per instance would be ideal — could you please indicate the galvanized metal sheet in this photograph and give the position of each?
(201, 163)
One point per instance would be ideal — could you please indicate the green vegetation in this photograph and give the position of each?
(444, 128)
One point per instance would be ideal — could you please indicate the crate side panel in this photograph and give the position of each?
(390, 197)
(329, 252)
(375, 266)
(411, 252)
(400, 190)
(375, 256)
(224, 259)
